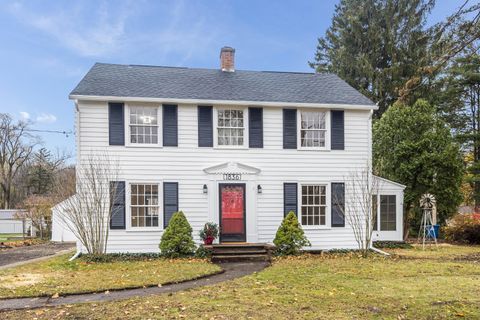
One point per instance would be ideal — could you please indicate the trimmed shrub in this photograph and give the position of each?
(203, 253)
(463, 228)
(177, 238)
(290, 237)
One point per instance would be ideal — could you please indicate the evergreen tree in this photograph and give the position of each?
(41, 173)
(414, 146)
(290, 238)
(376, 46)
(460, 107)
(177, 238)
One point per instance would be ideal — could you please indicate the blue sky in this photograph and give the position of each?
(47, 46)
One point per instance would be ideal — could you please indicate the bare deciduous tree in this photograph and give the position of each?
(88, 211)
(16, 146)
(39, 212)
(360, 186)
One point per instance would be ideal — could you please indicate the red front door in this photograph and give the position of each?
(232, 212)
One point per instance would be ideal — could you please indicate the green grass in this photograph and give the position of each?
(335, 286)
(441, 251)
(4, 236)
(59, 276)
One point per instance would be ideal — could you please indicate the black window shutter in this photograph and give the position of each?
(117, 200)
(170, 201)
(338, 204)
(205, 126)
(289, 129)
(116, 124)
(338, 130)
(290, 198)
(170, 125)
(255, 127)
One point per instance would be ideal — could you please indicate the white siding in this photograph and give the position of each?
(185, 163)
(387, 187)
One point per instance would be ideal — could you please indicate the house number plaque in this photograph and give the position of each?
(232, 176)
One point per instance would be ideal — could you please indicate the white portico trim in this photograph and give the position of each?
(232, 168)
(234, 173)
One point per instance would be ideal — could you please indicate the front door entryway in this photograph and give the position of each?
(232, 212)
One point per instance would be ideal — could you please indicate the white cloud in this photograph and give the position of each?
(183, 28)
(24, 115)
(85, 32)
(46, 118)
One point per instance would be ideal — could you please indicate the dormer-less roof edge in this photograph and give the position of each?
(225, 102)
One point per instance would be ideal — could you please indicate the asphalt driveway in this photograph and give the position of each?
(26, 253)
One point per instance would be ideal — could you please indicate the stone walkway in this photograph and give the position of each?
(231, 271)
(16, 256)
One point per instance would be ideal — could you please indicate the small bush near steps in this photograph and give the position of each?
(290, 238)
(203, 253)
(177, 238)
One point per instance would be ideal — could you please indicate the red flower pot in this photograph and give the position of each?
(208, 240)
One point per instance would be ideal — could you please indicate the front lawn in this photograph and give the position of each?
(59, 276)
(314, 287)
(5, 236)
(441, 251)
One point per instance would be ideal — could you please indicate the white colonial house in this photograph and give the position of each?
(239, 148)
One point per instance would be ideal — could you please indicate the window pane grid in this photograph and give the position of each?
(143, 125)
(313, 205)
(144, 205)
(230, 127)
(313, 129)
(388, 213)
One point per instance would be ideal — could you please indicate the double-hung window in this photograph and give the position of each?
(144, 205)
(313, 129)
(314, 205)
(230, 127)
(143, 125)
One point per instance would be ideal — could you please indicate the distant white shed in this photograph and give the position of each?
(10, 223)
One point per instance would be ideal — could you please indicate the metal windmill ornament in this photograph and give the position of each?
(428, 205)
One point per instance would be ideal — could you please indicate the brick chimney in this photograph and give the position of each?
(227, 59)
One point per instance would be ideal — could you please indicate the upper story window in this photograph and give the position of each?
(230, 127)
(314, 205)
(144, 205)
(313, 129)
(143, 125)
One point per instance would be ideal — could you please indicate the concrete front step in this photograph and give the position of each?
(237, 258)
(225, 252)
(235, 252)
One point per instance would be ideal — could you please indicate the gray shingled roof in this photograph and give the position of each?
(211, 84)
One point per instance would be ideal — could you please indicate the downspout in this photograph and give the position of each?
(76, 255)
(379, 251)
(370, 154)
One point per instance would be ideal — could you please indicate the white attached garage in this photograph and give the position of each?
(60, 231)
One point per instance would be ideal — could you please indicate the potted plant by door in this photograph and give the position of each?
(209, 233)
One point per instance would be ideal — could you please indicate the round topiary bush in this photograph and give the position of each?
(177, 238)
(290, 238)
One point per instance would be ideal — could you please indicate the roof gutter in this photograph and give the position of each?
(225, 102)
